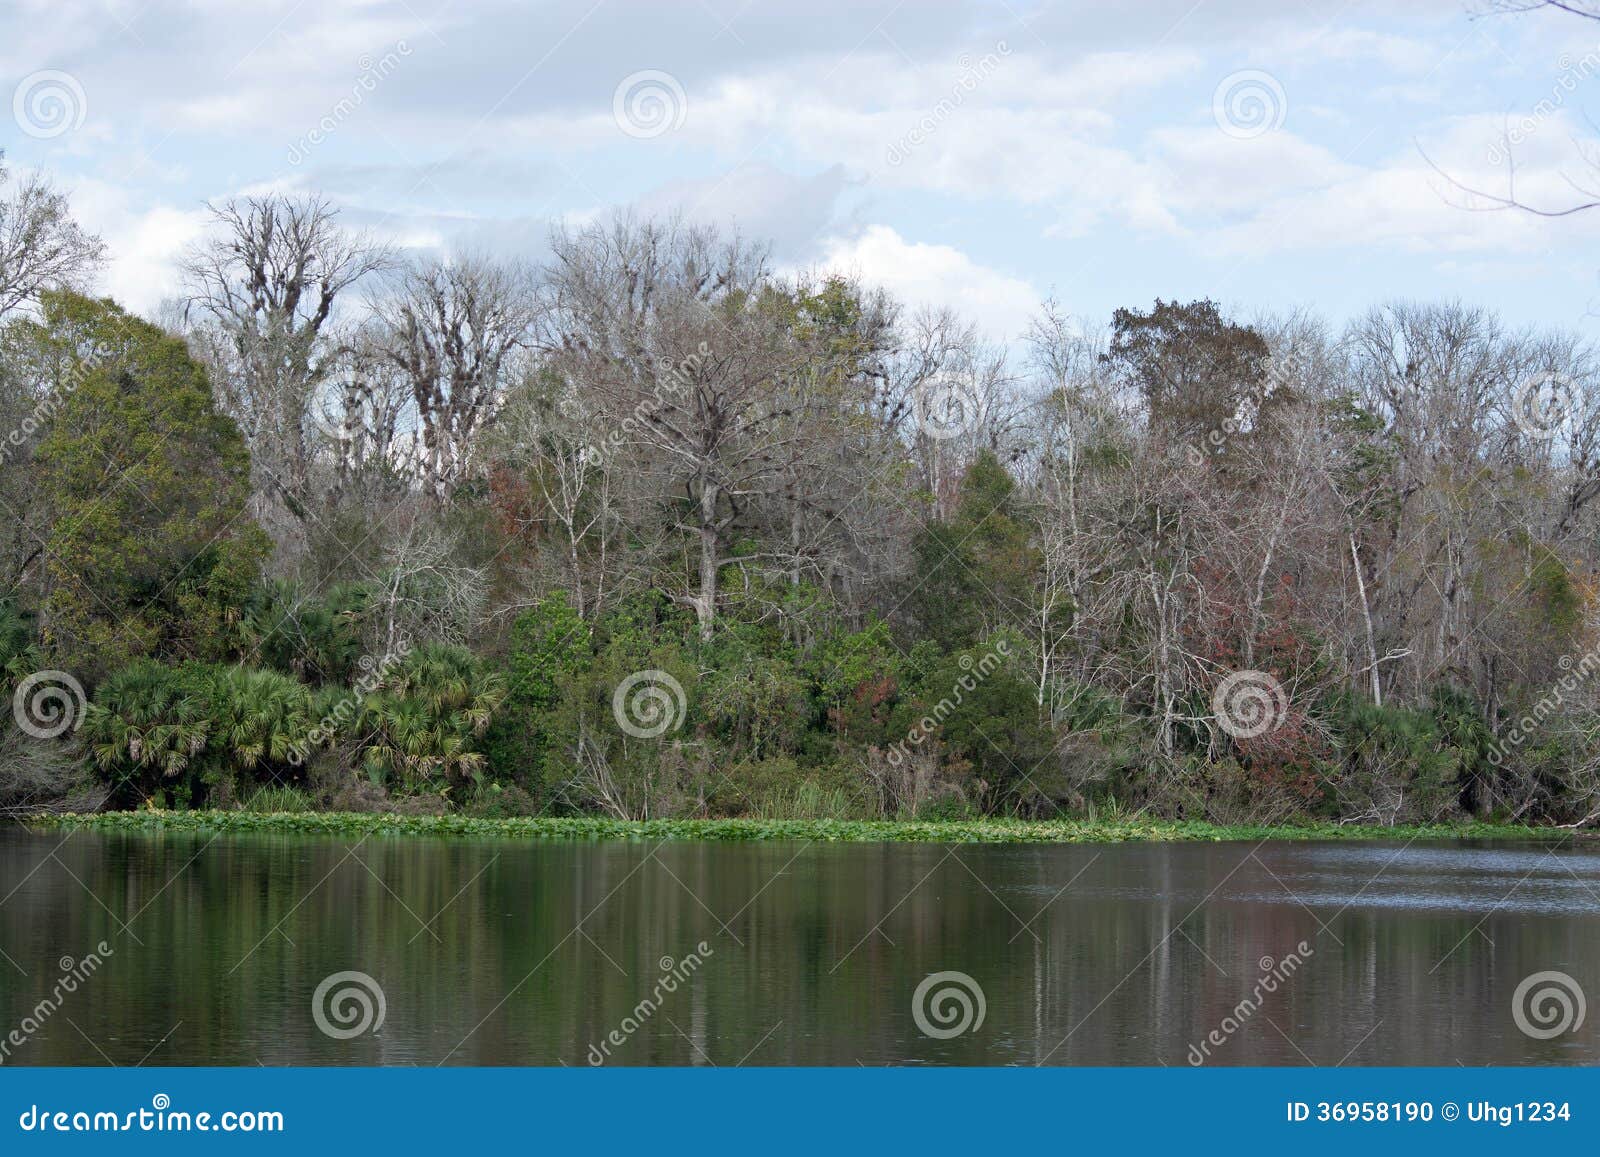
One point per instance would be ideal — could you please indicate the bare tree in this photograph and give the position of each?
(453, 327)
(262, 294)
(556, 490)
(1478, 199)
(664, 324)
(41, 246)
(366, 410)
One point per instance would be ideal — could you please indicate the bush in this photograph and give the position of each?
(421, 725)
(1395, 766)
(184, 733)
(548, 651)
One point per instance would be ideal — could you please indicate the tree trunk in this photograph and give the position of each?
(705, 604)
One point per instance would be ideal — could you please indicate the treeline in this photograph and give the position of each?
(646, 529)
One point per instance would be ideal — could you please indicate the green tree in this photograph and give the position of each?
(975, 574)
(149, 550)
(421, 727)
(549, 649)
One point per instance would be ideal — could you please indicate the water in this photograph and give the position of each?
(492, 952)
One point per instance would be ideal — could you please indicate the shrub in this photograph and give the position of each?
(421, 726)
(548, 651)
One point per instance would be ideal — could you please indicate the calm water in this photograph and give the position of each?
(524, 953)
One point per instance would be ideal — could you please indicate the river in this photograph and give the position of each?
(241, 950)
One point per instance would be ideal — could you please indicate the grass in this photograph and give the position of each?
(278, 799)
(982, 831)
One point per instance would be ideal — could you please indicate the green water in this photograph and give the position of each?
(786, 953)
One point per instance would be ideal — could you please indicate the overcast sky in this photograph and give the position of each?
(1265, 154)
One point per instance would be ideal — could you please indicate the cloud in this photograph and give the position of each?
(922, 274)
(1404, 202)
(144, 243)
(830, 129)
(765, 203)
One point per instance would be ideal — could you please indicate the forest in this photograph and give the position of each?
(651, 528)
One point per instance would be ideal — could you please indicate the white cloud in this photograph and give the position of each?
(143, 243)
(923, 274)
(1093, 124)
(1405, 203)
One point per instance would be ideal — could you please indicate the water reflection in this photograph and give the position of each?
(523, 953)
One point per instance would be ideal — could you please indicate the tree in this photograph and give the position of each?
(663, 324)
(262, 292)
(41, 246)
(1194, 369)
(975, 573)
(149, 549)
(452, 327)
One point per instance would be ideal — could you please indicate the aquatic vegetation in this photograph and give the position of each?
(986, 831)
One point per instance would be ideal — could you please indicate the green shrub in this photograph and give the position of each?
(420, 727)
(278, 799)
(549, 649)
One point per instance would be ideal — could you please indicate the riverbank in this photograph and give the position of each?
(984, 831)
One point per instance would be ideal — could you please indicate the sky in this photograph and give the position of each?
(988, 156)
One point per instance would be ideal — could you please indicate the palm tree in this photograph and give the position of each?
(257, 716)
(420, 723)
(18, 655)
(318, 639)
(148, 718)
